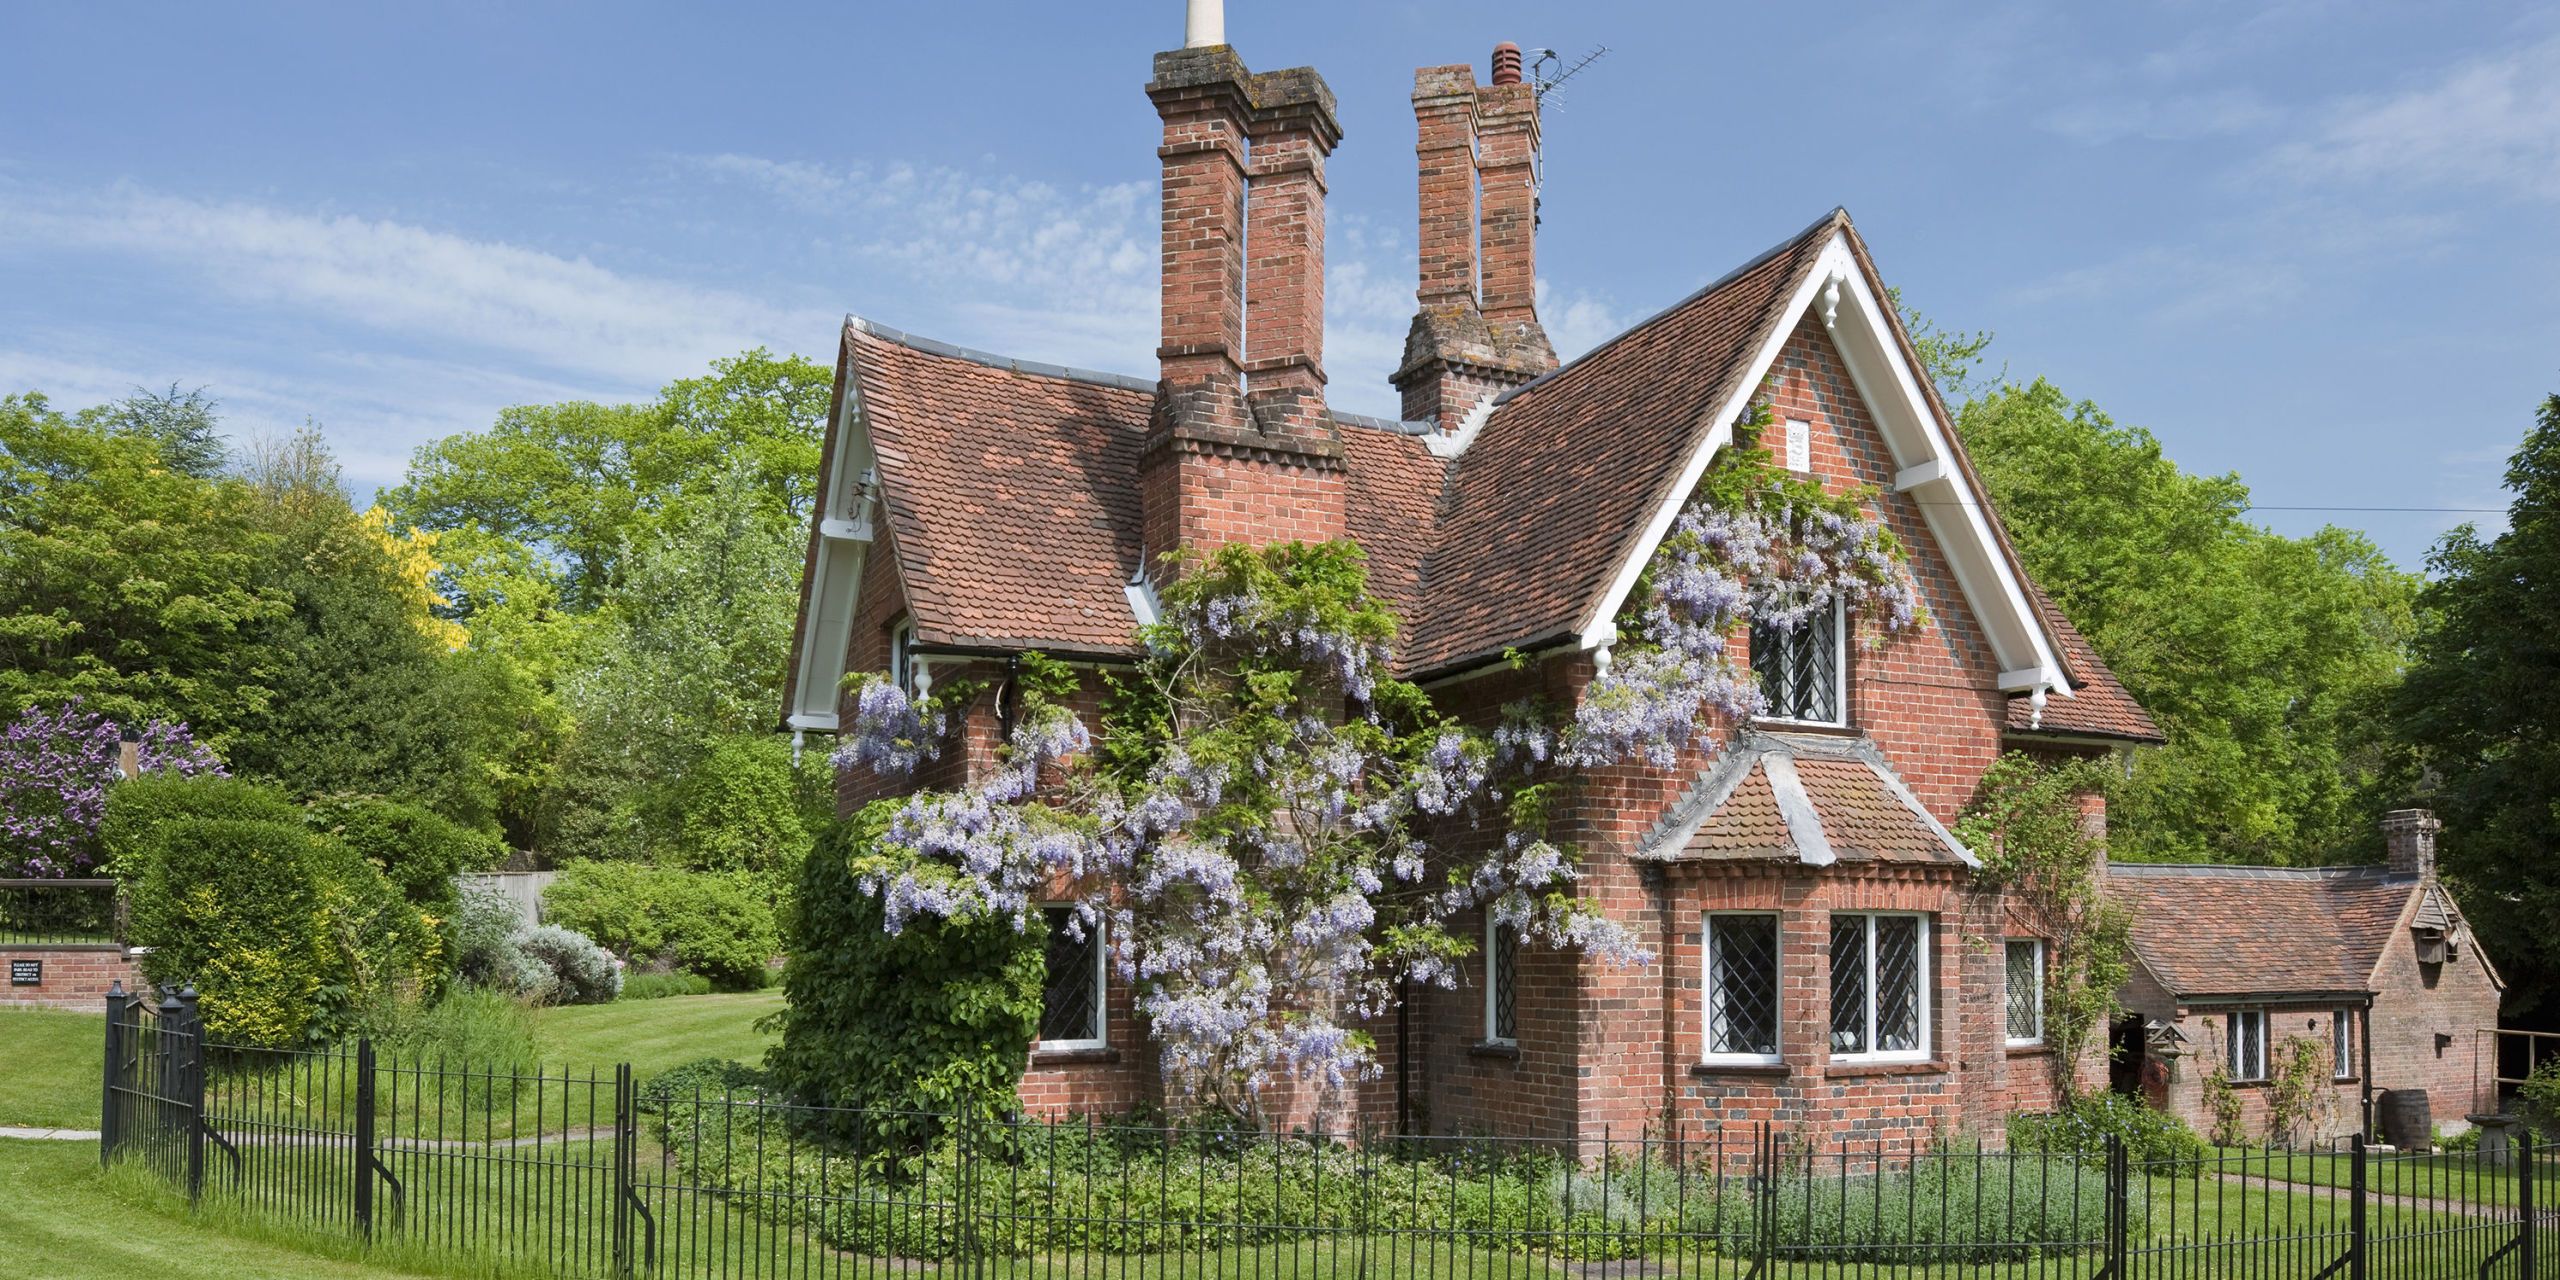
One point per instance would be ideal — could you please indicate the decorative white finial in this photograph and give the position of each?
(1205, 25)
(1831, 303)
(2035, 704)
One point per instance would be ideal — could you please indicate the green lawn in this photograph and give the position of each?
(61, 1218)
(49, 1060)
(653, 1035)
(2458, 1176)
(49, 1068)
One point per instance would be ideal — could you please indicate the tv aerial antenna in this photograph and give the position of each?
(1550, 72)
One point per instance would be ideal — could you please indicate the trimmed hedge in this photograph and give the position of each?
(138, 807)
(937, 1018)
(418, 850)
(288, 936)
(717, 925)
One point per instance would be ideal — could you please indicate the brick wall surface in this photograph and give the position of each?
(1604, 1049)
(74, 977)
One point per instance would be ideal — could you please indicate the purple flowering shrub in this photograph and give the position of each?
(1260, 832)
(56, 764)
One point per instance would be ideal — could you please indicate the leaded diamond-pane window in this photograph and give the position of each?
(1071, 1009)
(1849, 1007)
(1502, 974)
(1799, 667)
(1880, 986)
(2026, 991)
(2245, 1045)
(1897, 984)
(1742, 986)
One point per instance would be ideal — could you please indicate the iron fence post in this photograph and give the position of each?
(2119, 1216)
(623, 1175)
(2356, 1194)
(107, 1078)
(2524, 1201)
(190, 1086)
(362, 1198)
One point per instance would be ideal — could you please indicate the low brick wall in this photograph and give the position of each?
(73, 975)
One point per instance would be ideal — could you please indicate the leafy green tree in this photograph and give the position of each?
(585, 483)
(2481, 708)
(2264, 658)
(179, 423)
(368, 695)
(127, 581)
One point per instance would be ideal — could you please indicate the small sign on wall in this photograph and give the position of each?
(26, 973)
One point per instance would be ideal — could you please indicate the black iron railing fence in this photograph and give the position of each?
(61, 913)
(596, 1174)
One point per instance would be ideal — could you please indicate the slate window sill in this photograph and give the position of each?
(1845, 1070)
(1764, 1070)
(1494, 1049)
(1073, 1057)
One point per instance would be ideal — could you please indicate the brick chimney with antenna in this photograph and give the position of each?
(1476, 332)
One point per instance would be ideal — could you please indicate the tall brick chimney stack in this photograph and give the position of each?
(1240, 446)
(1476, 332)
(2409, 837)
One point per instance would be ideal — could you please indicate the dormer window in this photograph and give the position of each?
(1802, 669)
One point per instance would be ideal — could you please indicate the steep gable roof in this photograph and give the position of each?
(1011, 489)
(2223, 932)
(1559, 483)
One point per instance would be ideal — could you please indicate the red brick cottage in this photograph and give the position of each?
(2373, 965)
(1827, 957)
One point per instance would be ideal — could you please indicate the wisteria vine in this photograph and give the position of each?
(1267, 829)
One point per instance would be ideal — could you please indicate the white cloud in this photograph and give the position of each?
(2493, 121)
(567, 314)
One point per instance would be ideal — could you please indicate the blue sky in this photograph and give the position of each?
(2309, 241)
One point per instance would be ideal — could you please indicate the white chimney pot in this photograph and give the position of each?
(1205, 25)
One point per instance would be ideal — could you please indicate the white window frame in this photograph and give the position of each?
(1707, 1052)
(1799, 445)
(1839, 673)
(2342, 1043)
(1097, 931)
(902, 656)
(2038, 946)
(1926, 977)
(1492, 979)
(2231, 1042)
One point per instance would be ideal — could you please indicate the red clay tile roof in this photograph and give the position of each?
(1547, 502)
(1394, 487)
(2208, 931)
(1747, 825)
(2100, 706)
(1738, 808)
(1012, 496)
(1011, 492)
